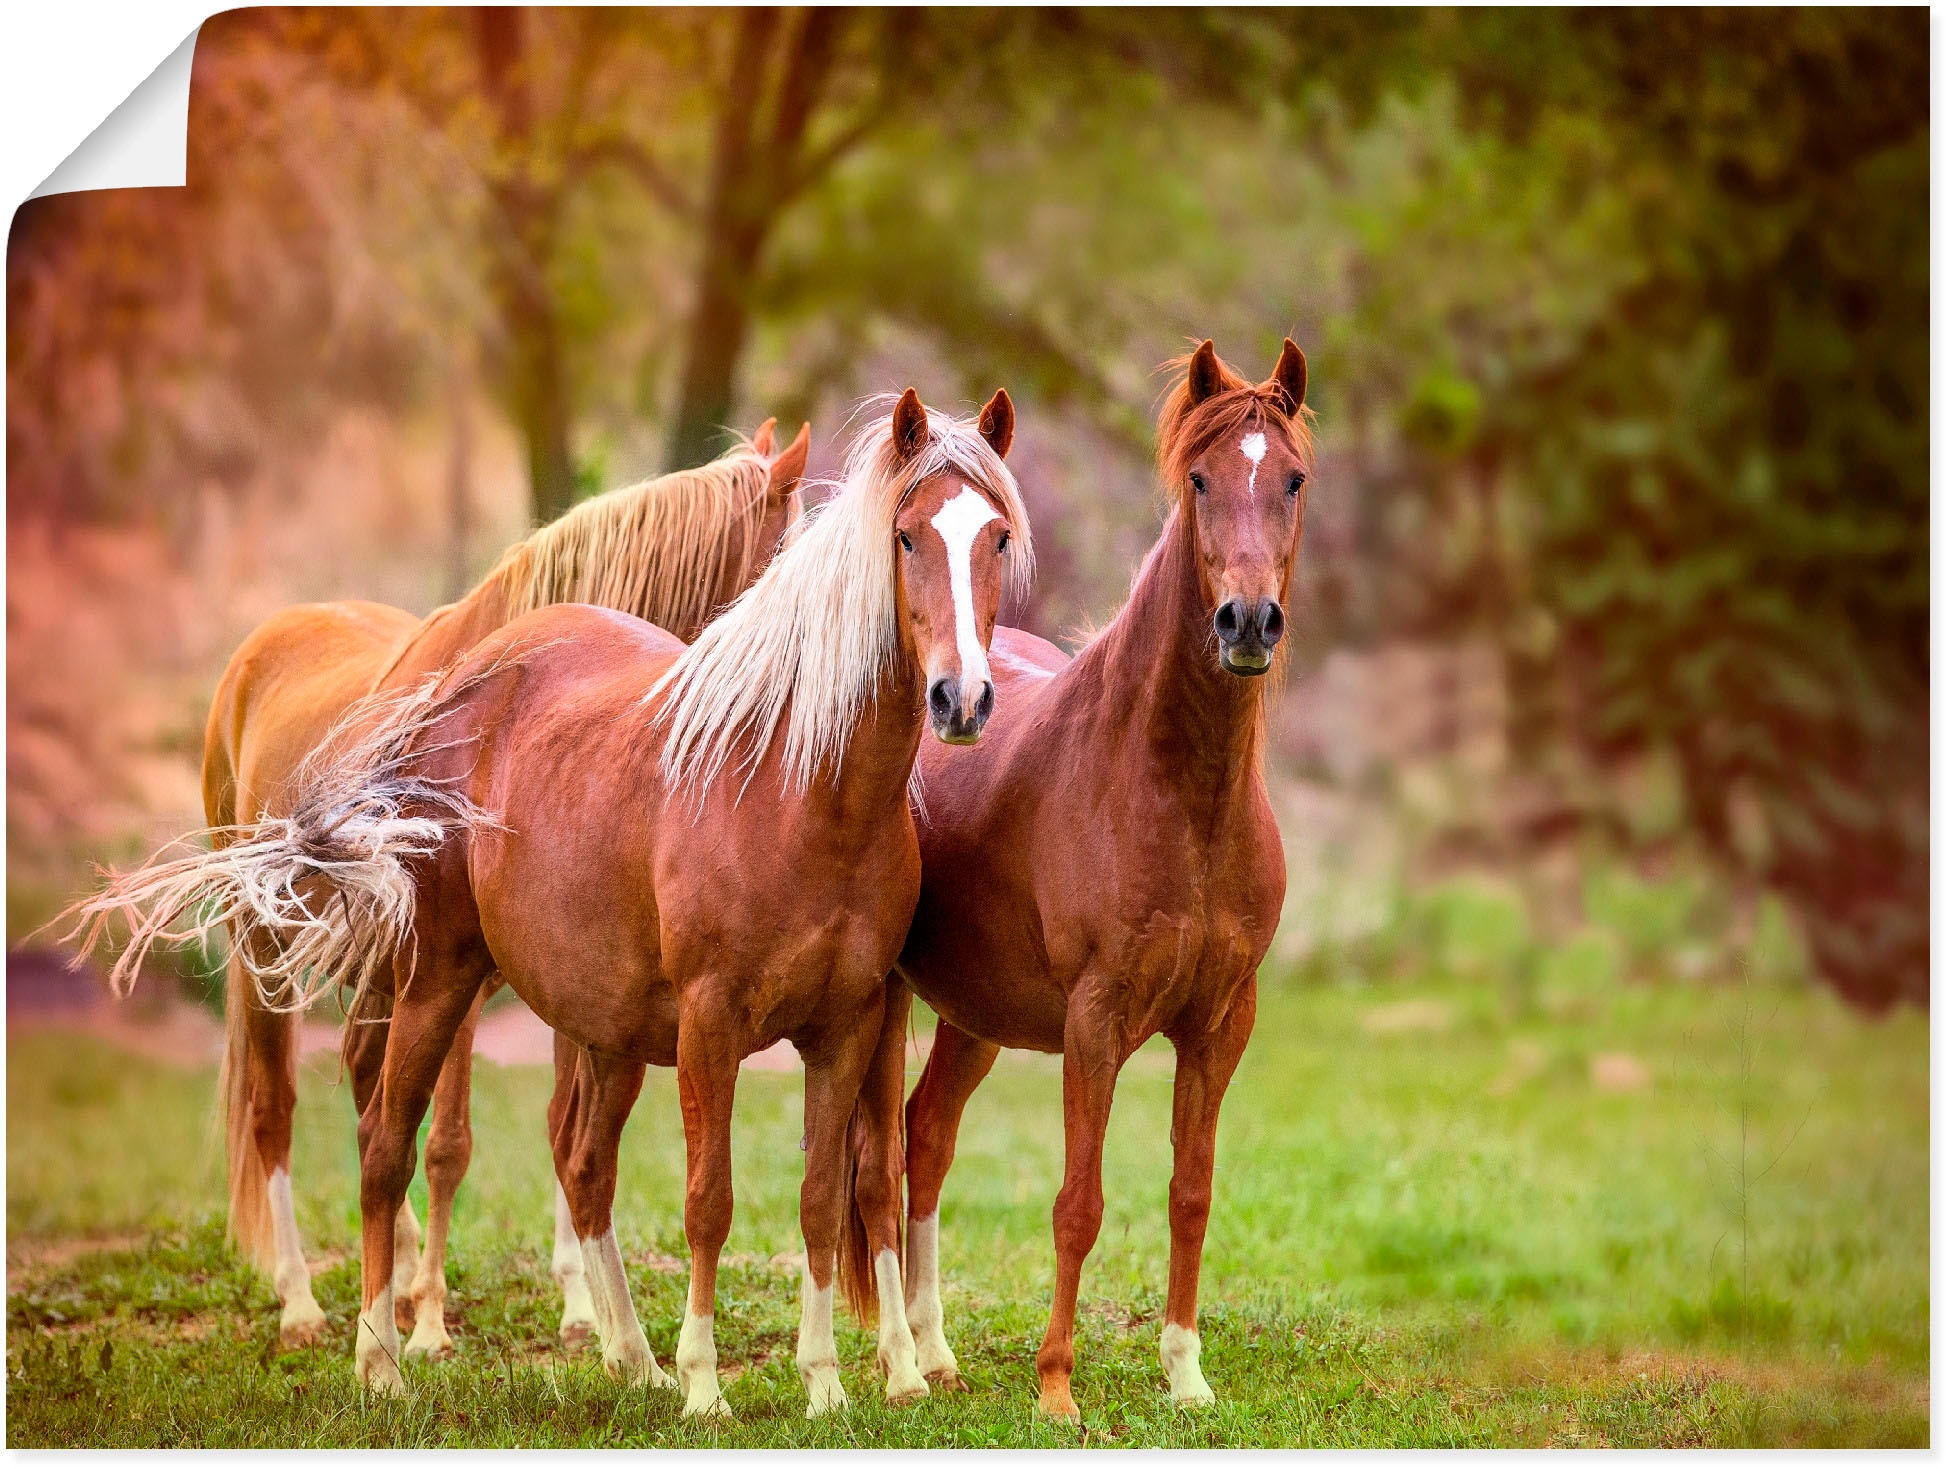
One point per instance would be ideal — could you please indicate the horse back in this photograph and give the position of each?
(283, 689)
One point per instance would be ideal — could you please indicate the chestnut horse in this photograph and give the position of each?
(675, 856)
(670, 550)
(1103, 868)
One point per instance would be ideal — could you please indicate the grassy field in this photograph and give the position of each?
(1626, 1215)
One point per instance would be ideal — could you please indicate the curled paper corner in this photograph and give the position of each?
(142, 144)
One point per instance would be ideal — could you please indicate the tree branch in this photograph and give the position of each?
(631, 157)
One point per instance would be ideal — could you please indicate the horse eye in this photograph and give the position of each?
(905, 540)
(1196, 481)
(1296, 484)
(1005, 537)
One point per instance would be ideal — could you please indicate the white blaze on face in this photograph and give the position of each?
(1253, 447)
(958, 522)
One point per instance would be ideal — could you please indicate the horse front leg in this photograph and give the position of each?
(706, 1079)
(1091, 1059)
(449, 1149)
(1204, 1064)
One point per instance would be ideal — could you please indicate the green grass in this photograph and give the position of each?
(1433, 1226)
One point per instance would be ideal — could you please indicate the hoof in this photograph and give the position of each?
(302, 1323)
(382, 1380)
(826, 1393)
(1193, 1395)
(901, 1394)
(946, 1380)
(1058, 1403)
(436, 1349)
(716, 1408)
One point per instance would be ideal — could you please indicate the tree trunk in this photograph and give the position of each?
(735, 220)
(523, 248)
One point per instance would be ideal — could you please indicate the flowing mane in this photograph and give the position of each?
(655, 549)
(815, 633)
(1185, 429)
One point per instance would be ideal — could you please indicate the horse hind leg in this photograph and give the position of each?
(587, 1139)
(419, 1038)
(260, 1095)
(958, 1064)
(449, 1149)
(578, 1323)
(364, 1052)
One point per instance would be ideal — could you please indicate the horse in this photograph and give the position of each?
(1104, 867)
(675, 856)
(670, 550)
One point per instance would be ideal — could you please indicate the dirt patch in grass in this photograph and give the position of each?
(27, 1258)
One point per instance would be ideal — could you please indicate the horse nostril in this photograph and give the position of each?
(985, 705)
(941, 697)
(1229, 621)
(1271, 619)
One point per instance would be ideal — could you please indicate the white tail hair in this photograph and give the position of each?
(814, 633)
(331, 883)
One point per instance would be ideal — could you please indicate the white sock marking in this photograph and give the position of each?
(624, 1349)
(958, 523)
(924, 1313)
(817, 1348)
(577, 1305)
(1182, 1352)
(1253, 447)
(897, 1357)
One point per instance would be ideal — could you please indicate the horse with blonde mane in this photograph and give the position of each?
(670, 550)
(675, 856)
(1103, 868)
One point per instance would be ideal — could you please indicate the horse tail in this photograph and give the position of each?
(331, 885)
(250, 1224)
(875, 1153)
(856, 1278)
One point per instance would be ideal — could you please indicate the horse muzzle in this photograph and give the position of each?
(1248, 630)
(957, 719)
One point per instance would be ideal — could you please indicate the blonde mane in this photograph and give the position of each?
(818, 630)
(656, 550)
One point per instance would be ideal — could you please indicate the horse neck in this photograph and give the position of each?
(878, 759)
(1158, 675)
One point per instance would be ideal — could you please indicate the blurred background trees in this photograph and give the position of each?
(1617, 323)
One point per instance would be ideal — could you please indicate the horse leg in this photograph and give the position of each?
(577, 1306)
(879, 1175)
(585, 1153)
(269, 1068)
(706, 1079)
(424, 1021)
(449, 1148)
(1091, 1057)
(957, 1065)
(364, 1054)
(1204, 1065)
(835, 1061)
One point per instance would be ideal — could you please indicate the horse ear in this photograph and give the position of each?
(765, 438)
(909, 424)
(788, 467)
(1205, 373)
(1289, 377)
(997, 422)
